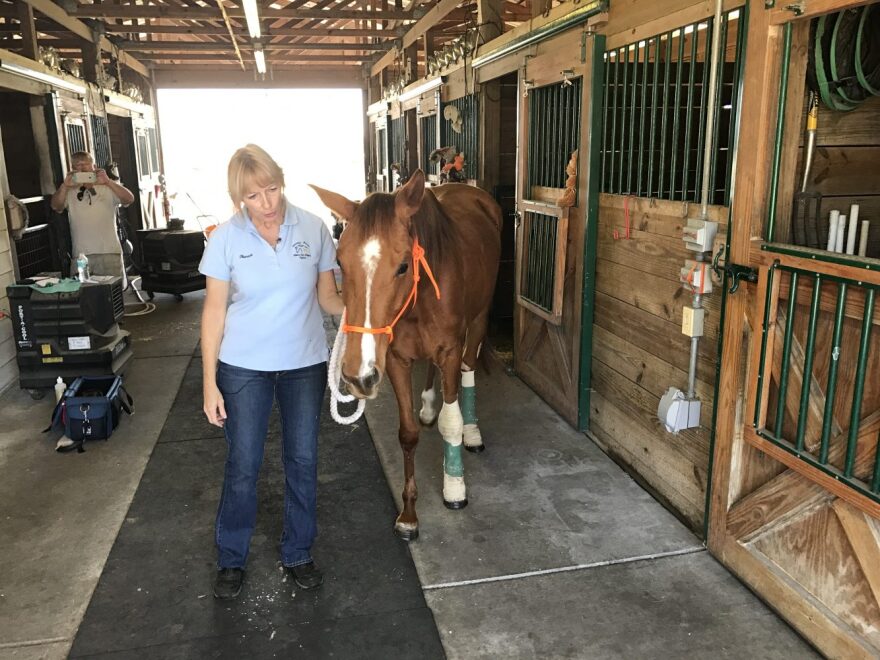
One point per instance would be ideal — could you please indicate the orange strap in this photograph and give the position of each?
(418, 254)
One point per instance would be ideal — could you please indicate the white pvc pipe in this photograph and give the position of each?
(863, 239)
(832, 230)
(841, 233)
(853, 229)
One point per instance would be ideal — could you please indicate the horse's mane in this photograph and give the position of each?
(430, 224)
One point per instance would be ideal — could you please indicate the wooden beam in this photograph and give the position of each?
(55, 13)
(490, 19)
(197, 46)
(230, 56)
(807, 9)
(189, 76)
(204, 13)
(213, 30)
(425, 23)
(864, 537)
(28, 31)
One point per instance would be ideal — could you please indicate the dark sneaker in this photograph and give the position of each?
(306, 576)
(228, 583)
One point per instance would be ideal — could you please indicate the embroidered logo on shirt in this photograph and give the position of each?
(245, 256)
(302, 250)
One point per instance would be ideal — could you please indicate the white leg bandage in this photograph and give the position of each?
(470, 432)
(450, 426)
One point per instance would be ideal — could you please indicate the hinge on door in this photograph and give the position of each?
(736, 273)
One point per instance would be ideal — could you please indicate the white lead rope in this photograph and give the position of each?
(337, 397)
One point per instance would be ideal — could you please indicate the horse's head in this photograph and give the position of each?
(375, 255)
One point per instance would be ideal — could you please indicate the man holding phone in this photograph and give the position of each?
(91, 198)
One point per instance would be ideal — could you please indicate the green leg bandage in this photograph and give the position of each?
(468, 398)
(452, 465)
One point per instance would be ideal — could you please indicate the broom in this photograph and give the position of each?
(806, 207)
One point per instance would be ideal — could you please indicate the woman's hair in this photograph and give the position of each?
(248, 166)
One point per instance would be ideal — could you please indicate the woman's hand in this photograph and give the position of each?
(214, 408)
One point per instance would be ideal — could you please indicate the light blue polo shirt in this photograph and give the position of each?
(273, 321)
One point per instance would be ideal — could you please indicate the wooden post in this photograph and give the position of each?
(749, 209)
(491, 26)
(28, 31)
(411, 63)
(539, 7)
(428, 46)
(91, 54)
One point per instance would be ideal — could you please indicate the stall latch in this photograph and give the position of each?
(736, 273)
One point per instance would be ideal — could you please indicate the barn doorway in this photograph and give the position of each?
(501, 314)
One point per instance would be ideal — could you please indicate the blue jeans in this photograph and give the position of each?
(248, 397)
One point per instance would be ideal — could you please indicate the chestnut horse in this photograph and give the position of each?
(419, 268)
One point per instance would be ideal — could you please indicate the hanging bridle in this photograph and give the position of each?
(418, 257)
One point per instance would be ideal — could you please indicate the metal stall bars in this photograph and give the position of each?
(544, 233)
(397, 148)
(554, 133)
(466, 139)
(101, 138)
(429, 140)
(655, 110)
(818, 419)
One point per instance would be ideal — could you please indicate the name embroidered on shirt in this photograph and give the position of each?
(302, 250)
(245, 256)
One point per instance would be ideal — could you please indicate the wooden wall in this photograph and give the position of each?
(639, 350)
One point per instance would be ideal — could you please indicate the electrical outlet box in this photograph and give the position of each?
(676, 412)
(696, 275)
(692, 321)
(699, 235)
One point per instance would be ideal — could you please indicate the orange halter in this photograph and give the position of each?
(418, 257)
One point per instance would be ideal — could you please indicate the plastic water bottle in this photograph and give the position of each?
(82, 267)
(60, 388)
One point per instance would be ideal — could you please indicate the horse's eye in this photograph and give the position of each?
(402, 268)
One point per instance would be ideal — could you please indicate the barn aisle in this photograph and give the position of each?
(154, 598)
(559, 553)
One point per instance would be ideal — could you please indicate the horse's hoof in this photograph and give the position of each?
(455, 506)
(406, 532)
(476, 449)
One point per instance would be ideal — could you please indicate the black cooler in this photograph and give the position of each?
(170, 260)
(68, 333)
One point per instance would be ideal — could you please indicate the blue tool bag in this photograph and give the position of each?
(90, 410)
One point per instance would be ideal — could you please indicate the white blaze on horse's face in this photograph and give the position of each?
(371, 252)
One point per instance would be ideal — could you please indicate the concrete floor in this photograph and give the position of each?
(558, 555)
(62, 512)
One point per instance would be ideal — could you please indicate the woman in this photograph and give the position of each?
(268, 269)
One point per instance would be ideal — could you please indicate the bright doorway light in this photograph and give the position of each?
(316, 135)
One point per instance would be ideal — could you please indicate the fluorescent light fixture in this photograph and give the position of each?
(252, 18)
(423, 88)
(260, 59)
(39, 76)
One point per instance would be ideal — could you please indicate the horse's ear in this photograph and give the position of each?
(341, 206)
(408, 199)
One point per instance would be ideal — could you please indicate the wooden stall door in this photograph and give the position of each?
(794, 509)
(550, 236)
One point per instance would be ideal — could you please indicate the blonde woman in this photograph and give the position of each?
(269, 274)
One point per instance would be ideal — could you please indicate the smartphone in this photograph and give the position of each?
(84, 177)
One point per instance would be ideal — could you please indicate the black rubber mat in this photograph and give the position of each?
(154, 597)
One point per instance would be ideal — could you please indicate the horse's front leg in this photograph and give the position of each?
(399, 373)
(451, 424)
